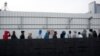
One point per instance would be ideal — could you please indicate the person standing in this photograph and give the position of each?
(22, 36)
(6, 35)
(62, 35)
(47, 35)
(84, 33)
(39, 34)
(75, 34)
(90, 35)
(51, 33)
(99, 34)
(80, 35)
(94, 34)
(14, 35)
(30, 36)
(69, 34)
(55, 35)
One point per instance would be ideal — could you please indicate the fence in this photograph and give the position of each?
(32, 22)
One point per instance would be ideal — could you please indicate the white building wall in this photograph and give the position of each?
(32, 22)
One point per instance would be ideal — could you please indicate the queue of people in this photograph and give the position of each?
(92, 34)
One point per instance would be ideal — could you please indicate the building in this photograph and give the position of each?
(94, 8)
(33, 21)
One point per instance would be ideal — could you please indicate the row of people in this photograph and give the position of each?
(53, 34)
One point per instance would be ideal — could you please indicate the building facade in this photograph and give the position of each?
(33, 21)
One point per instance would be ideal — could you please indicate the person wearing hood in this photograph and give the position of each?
(22, 36)
(47, 35)
(39, 34)
(14, 35)
(30, 36)
(62, 35)
(6, 35)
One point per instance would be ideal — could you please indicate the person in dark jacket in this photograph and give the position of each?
(14, 35)
(94, 34)
(22, 36)
(99, 34)
(62, 35)
(90, 33)
(55, 35)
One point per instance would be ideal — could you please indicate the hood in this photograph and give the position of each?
(6, 32)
